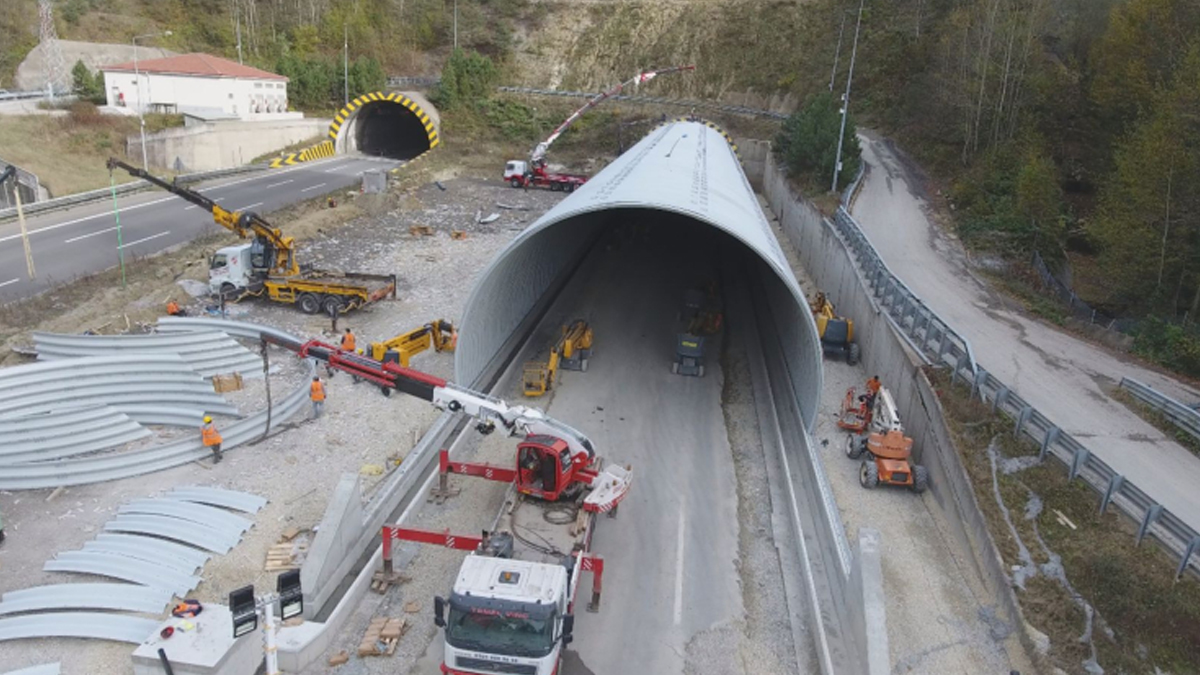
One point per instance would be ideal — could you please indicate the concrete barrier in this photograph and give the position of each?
(887, 354)
(754, 154)
(220, 145)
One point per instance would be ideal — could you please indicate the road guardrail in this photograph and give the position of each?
(1180, 415)
(938, 344)
(68, 201)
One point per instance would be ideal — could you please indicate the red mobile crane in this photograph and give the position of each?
(511, 608)
(521, 174)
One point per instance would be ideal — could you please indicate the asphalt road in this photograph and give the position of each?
(83, 240)
(1064, 377)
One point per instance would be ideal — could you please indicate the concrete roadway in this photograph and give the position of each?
(83, 240)
(1063, 376)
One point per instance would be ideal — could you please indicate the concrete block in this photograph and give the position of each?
(207, 649)
(337, 533)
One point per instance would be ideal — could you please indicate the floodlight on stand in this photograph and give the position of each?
(242, 607)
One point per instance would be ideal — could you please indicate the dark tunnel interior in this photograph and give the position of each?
(387, 129)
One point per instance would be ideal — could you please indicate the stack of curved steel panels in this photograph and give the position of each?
(73, 432)
(208, 352)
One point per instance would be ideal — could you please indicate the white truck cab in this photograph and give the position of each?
(515, 169)
(506, 616)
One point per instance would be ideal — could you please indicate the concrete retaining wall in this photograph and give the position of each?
(754, 154)
(221, 145)
(886, 353)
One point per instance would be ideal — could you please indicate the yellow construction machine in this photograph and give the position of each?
(572, 351)
(439, 335)
(837, 332)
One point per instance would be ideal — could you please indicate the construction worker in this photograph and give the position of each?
(173, 308)
(873, 387)
(317, 394)
(211, 438)
(348, 341)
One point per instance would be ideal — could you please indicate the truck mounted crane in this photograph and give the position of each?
(521, 174)
(511, 607)
(268, 264)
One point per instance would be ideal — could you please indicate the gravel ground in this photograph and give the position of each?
(298, 468)
(939, 617)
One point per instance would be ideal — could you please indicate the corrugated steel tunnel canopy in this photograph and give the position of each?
(683, 172)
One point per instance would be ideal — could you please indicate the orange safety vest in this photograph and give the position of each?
(318, 391)
(348, 342)
(210, 435)
(873, 385)
(172, 308)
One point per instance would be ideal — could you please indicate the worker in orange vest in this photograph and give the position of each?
(173, 308)
(317, 394)
(348, 341)
(211, 438)
(873, 387)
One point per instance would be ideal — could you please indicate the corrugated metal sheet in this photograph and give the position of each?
(126, 569)
(231, 499)
(217, 519)
(122, 597)
(148, 548)
(685, 168)
(174, 528)
(55, 435)
(95, 625)
(126, 464)
(208, 352)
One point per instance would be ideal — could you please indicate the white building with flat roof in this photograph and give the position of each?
(197, 83)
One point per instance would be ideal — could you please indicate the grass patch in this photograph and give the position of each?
(1155, 622)
(68, 152)
(1158, 420)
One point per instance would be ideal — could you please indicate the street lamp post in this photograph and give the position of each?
(138, 79)
(837, 164)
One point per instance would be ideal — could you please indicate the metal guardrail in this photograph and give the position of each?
(940, 345)
(1182, 416)
(414, 81)
(1078, 307)
(655, 100)
(21, 95)
(122, 189)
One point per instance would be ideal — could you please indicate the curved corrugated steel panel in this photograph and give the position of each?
(230, 499)
(123, 597)
(185, 531)
(684, 168)
(44, 669)
(126, 569)
(96, 625)
(218, 519)
(148, 548)
(208, 352)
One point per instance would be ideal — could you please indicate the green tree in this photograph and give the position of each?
(366, 76)
(808, 142)
(87, 86)
(468, 78)
(1039, 197)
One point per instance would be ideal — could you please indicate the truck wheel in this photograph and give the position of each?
(568, 187)
(515, 182)
(855, 446)
(308, 303)
(555, 187)
(331, 304)
(920, 479)
(853, 353)
(228, 291)
(387, 391)
(868, 475)
(675, 368)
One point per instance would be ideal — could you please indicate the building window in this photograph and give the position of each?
(258, 85)
(231, 96)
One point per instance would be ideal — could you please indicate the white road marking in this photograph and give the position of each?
(90, 234)
(189, 208)
(153, 236)
(84, 219)
(13, 281)
(679, 568)
(282, 182)
(251, 206)
(319, 185)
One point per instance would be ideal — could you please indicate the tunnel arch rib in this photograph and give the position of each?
(388, 124)
(683, 168)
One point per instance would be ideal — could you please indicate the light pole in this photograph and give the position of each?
(456, 24)
(345, 64)
(138, 79)
(837, 55)
(837, 164)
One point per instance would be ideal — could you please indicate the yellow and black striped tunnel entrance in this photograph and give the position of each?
(396, 125)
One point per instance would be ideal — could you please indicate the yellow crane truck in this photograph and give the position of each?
(267, 265)
(438, 335)
(571, 351)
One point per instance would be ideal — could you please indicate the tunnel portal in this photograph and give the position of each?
(385, 125)
(677, 200)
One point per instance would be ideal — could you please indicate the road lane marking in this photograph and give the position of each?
(313, 187)
(679, 568)
(251, 206)
(84, 219)
(85, 236)
(10, 281)
(153, 236)
(282, 182)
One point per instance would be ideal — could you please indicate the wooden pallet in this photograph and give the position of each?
(285, 556)
(382, 636)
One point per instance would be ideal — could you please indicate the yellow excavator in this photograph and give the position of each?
(571, 351)
(438, 335)
(267, 265)
(837, 332)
